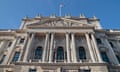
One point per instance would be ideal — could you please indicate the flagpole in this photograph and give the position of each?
(60, 10)
(60, 7)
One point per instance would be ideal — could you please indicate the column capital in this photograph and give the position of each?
(73, 33)
(47, 32)
(89, 32)
(67, 33)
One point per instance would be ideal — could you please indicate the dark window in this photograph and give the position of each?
(3, 58)
(82, 53)
(16, 56)
(32, 70)
(8, 71)
(22, 40)
(111, 44)
(98, 41)
(9, 44)
(38, 53)
(104, 56)
(60, 53)
(118, 58)
(80, 70)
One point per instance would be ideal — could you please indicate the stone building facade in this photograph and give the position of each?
(60, 44)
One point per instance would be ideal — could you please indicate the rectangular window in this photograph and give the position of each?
(118, 58)
(111, 44)
(8, 71)
(99, 41)
(9, 44)
(104, 57)
(22, 40)
(81, 70)
(3, 58)
(32, 70)
(16, 56)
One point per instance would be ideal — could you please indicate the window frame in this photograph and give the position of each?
(38, 54)
(16, 56)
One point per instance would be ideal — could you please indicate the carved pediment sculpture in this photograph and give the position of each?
(57, 22)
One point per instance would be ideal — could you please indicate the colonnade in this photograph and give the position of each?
(47, 55)
(70, 47)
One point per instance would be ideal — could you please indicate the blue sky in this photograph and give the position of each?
(12, 11)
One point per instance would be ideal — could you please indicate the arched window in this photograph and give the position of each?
(60, 53)
(38, 53)
(104, 57)
(82, 53)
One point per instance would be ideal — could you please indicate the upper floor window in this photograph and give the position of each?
(111, 44)
(8, 71)
(16, 56)
(60, 53)
(22, 40)
(2, 59)
(38, 53)
(9, 44)
(82, 70)
(82, 53)
(104, 56)
(99, 41)
(32, 70)
(118, 58)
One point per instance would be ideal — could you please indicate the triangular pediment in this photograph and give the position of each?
(57, 22)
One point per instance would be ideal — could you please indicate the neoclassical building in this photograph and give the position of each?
(60, 44)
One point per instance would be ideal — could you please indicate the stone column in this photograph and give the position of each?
(28, 47)
(23, 47)
(96, 49)
(10, 51)
(90, 48)
(112, 56)
(68, 47)
(73, 47)
(51, 48)
(45, 48)
(2, 45)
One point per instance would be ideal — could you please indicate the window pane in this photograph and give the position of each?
(60, 53)
(80, 70)
(38, 53)
(111, 44)
(118, 58)
(22, 40)
(32, 70)
(82, 54)
(98, 41)
(2, 60)
(16, 57)
(104, 57)
(10, 43)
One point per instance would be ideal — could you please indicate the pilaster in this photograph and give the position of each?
(68, 47)
(45, 48)
(51, 48)
(90, 48)
(111, 53)
(96, 49)
(73, 47)
(28, 47)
